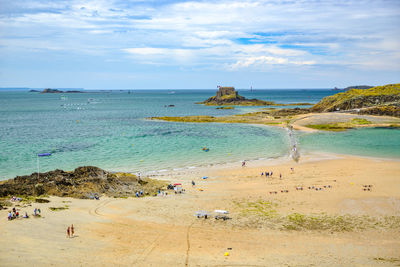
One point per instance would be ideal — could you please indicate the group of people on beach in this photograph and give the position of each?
(139, 193)
(267, 174)
(70, 231)
(14, 214)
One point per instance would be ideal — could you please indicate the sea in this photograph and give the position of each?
(111, 129)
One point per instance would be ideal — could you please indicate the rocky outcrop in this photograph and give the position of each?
(51, 91)
(372, 98)
(228, 96)
(56, 91)
(83, 182)
(358, 87)
(384, 110)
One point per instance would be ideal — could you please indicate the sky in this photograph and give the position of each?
(173, 44)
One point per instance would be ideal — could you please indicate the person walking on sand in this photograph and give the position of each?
(243, 163)
(193, 183)
(68, 232)
(280, 176)
(72, 230)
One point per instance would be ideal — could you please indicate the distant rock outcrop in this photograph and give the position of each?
(56, 91)
(51, 91)
(228, 96)
(358, 87)
(83, 182)
(379, 100)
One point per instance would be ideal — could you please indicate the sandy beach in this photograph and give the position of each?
(361, 226)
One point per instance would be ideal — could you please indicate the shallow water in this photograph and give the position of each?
(373, 142)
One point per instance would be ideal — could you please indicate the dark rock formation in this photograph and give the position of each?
(387, 110)
(56, 91)
(51, 91)
(228, 96)
(358, 87)
(80, 183)
(370, 99)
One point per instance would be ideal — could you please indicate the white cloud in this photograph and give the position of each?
(261, 61)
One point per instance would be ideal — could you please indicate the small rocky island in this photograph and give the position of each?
(56, 91)
(229, 96)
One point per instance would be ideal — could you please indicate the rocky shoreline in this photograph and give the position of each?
(83, 182)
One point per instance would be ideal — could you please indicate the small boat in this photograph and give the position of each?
(44, 154)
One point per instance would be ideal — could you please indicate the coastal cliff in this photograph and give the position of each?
(379, 100)
(83, 182)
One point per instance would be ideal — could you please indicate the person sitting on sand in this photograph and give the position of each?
(9, 216)
(26, 215)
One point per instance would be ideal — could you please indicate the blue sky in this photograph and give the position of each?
(139, 44)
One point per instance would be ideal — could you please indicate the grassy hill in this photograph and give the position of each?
(379, 100)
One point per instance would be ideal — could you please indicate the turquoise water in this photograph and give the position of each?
(374, 142)
(110, 130)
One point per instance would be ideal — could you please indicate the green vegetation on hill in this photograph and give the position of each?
(379, 96)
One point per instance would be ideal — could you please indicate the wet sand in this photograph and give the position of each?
(163, 231)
